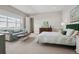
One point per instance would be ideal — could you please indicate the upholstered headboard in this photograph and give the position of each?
(74, 26)
(74, 19)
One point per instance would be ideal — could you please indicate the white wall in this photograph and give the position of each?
(66, 14)
(54, 20)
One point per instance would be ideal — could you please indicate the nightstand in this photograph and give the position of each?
(77, 44)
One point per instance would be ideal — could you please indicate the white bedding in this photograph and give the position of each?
(55, 38)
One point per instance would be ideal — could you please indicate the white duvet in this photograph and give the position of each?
(55, 38)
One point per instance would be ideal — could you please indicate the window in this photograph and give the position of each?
(9, 22)
(3, 21)
(2, 24)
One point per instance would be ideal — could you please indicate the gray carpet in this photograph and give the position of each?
(28, 46)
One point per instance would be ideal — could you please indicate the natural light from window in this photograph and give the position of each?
(9, 22)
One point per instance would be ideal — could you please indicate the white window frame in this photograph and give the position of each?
(7, 21)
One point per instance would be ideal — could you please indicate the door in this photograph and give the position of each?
(32, 25)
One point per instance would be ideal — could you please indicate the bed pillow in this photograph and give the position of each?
(74, 34)
(69, 32)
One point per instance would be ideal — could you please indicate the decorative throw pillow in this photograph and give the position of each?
(74, 34)
(69, 32)
(64, 32)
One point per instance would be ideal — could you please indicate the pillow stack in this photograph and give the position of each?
(69, 32)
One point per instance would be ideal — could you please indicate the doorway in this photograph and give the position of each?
(31, 25)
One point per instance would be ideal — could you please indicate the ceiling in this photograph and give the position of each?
(36, 9)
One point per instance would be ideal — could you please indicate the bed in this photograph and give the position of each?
(55, 38)
(72, 29)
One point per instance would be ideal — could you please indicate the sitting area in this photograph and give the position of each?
(13, 35)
